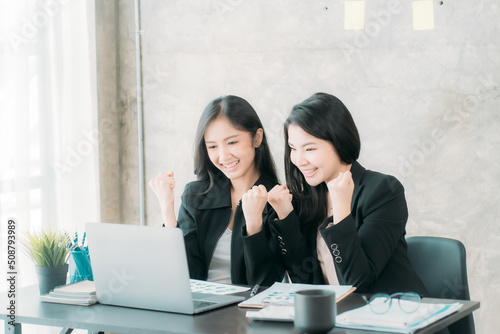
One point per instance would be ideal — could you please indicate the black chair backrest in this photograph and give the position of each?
(441, 265)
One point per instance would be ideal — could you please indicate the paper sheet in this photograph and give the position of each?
(215, 288)
(273, 313)
(354, 15)
(423, 15)
(395, 320)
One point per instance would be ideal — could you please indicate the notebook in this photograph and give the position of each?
(283, 294)
(81, 288)
(145, 267)
(78, 293)
(395, 320)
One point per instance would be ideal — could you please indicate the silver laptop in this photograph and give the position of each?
(145, 267)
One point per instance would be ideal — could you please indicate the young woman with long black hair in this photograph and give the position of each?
(337, 222)
(224, 213)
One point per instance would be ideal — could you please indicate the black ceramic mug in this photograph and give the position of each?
(315, 311)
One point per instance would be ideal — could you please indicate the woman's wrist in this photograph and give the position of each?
(340, 216)
(253, 227)
(169, 219)
(282, 214)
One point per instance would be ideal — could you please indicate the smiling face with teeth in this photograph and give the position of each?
(231, 150)
(316, 158)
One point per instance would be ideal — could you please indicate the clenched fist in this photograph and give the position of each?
(163, 186)
(341, 189)
(253, 203)
(280, 199)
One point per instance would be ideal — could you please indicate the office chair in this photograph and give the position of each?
(440, 264)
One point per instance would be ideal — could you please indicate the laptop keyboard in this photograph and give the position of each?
(202, 303)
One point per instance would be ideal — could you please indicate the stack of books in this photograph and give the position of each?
(78, 293)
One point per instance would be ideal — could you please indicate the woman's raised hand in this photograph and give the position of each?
(253, 203)
(341, 189)
(163, 186)
(280, 199)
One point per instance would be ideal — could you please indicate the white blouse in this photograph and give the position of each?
(220, 267)
(326, 261)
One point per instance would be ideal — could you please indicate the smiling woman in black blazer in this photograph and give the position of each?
(337, 222)
(224, 213)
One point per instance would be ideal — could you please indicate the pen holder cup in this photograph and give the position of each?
(79, 266)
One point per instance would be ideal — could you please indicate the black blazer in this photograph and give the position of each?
(368, 246)
(203, 218)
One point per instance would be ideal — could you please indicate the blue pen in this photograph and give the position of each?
(83, 241)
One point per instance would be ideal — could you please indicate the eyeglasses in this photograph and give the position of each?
(380, 303)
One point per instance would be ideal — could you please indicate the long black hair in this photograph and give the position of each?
(243, 117)
(325, 117)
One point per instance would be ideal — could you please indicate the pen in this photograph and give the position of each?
(254, 290)
(83, 241)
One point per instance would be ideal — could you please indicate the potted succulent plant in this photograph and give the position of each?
(49, 251)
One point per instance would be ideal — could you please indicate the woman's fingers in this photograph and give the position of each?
(163, 180)
(280, 199)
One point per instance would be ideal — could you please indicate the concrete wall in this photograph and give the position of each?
(117, 100)
(425, 100)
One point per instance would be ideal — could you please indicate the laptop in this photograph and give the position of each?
(145, 267)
